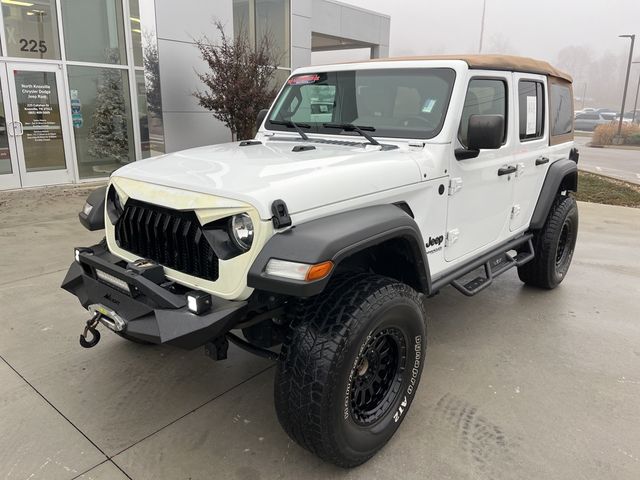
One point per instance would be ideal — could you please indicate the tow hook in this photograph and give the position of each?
(92, 323)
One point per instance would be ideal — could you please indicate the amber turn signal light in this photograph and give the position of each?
(319, 271)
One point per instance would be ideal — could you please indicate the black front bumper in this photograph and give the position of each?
(151, 312)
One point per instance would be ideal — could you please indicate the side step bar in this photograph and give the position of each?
(495, 263)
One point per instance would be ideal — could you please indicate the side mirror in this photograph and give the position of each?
(260, 118)
(484, 132)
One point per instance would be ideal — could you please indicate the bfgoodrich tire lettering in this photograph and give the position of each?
(339, 346)
(554, 245)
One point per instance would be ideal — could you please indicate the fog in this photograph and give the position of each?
(578, 36)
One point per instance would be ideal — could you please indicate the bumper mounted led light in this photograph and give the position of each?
(115, 282)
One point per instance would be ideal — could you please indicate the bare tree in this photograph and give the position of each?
(499, 43)
(239, 82)
(600, 77)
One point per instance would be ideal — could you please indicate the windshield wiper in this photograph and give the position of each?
(297, 126)
(350, 127)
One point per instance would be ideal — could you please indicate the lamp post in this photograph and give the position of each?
(635, 104)
(618, 139)
(484, 8)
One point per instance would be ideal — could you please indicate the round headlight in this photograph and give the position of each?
(242, 231)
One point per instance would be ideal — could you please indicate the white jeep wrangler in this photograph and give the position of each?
(367, 188)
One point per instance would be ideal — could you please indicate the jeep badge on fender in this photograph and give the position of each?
(367, 189)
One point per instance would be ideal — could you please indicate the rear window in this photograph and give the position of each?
(561, 109)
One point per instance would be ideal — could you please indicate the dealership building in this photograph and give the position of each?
(90, 85)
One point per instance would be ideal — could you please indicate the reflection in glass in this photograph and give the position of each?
(136, 32)
(280, 76)
(94, 31)
(242, 20)
(5, 153)
(148, 82)
(101, 110)
(150, 118)
(39, 112)
(31, 28)
(272, 20)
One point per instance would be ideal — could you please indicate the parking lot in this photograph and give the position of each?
(519, 383)
(620, 163)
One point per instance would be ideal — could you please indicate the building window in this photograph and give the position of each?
(531, 109)
(260, 18)
(273, 20)
(136, 32)
(5, 153)
(243, 18)
(150, 114)
(31, 29)
(101, 107)
(94, 31)
(147, 76)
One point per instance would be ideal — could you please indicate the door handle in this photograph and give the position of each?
(541, 160)
(15, 129)
(507, 170)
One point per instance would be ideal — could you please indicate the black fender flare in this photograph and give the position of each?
(562, 175)
(95, 219)
(337, 237)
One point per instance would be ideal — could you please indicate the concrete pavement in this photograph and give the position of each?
(623, 164)
(519, 383)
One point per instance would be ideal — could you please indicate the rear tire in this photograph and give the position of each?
(350, 366)
(553, 245)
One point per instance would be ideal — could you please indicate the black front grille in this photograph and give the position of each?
(172, 238)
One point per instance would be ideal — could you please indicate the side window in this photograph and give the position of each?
(484, 97)
(531, 108)
(561, 109)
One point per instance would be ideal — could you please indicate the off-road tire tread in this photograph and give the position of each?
(312, 350)
(538, 272)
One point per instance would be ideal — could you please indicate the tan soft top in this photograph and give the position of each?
(511, 63)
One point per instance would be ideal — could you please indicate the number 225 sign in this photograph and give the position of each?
(30, 45)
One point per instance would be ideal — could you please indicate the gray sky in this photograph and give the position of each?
(579, 36)
(537, 28)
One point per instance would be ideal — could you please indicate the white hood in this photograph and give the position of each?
(260, 174)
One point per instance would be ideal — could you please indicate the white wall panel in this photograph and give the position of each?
(187, 130)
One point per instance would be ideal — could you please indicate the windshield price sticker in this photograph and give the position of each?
(428, 105)
(304, 79)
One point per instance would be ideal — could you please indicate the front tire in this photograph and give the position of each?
(553, 246)
(350, 367)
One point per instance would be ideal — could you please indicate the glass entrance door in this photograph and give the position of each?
(9, 171)
(37, 125)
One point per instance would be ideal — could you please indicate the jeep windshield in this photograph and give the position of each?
(396, 103)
